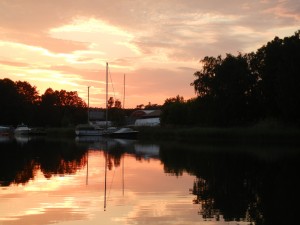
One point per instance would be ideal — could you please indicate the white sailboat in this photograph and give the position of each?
(123, 132)
(92, 129)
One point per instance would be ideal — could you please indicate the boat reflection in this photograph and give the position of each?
(128, 146)
(147, 150)
(24, 155)
(227, 183)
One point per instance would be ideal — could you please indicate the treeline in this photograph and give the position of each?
(232, 91)
(243, 89)
(21, 103)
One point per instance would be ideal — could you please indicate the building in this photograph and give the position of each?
(145, 118)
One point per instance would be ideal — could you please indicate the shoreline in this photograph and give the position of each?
(204, 134)
(221, 135)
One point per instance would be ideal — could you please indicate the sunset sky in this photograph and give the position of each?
(64, 44)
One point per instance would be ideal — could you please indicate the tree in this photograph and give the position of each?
(110, 102)
(226, 87)
(152, 106)
(232, 88)
(118, 104)
(174, 111)
(49, 98)
(10, 102)
(204, 77)
(279, 77)
(28, 92)
(62, 107)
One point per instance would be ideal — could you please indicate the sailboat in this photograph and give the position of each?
(91, 129)
(123, 132)
(88, 129)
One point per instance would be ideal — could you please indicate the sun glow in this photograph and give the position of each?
(106, 40)
(135, 38)
(82, 24)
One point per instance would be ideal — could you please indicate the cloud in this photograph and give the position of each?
(147, 38)
(44, 41)
(158, 26)
(13, 63)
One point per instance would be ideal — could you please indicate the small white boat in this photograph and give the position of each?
(22, 129)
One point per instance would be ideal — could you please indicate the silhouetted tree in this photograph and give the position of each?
(150, 106)
(205, 77)
(110, 102)
(20, 102)
(118, 104)
(174, 111)
(243, 89)
(29, 93)
(278, 68)
(10, 101)
(226, 87)
(62, 107)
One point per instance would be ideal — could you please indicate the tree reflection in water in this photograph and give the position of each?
(20, 163)
(257, 184)
(250, 183)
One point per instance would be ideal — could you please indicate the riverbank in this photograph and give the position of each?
(235, 134)
(60, 131)
(255, 134)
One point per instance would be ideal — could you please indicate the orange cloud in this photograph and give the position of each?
(147, 40)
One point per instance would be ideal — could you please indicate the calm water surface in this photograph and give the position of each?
(105, 181)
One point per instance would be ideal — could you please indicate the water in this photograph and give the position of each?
(105, 181)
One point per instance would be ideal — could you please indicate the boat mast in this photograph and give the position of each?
(105, 174)
(124, 94)
(106, 111)
(88, 105)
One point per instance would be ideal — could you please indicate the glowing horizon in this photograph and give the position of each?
(157, 44)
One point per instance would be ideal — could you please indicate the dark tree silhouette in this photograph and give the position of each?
(29, 94)
(110, 102)
(118, 104)
(279, 71)
(20, 102)
(227, 87)
(243, 89)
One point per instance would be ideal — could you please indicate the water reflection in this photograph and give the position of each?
(257, 184)
(20, 159)
(228, 184)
